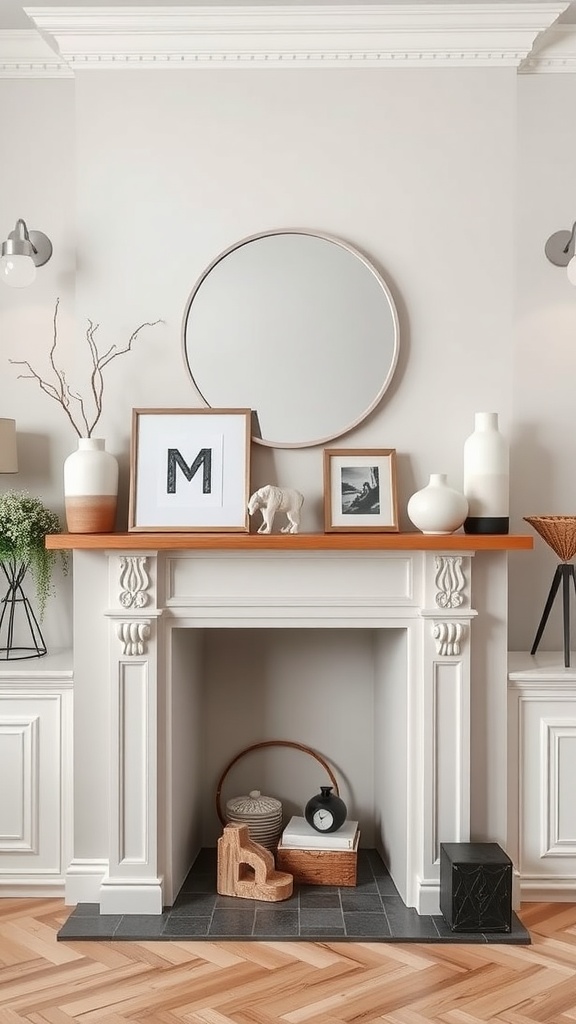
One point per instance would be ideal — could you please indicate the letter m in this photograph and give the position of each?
(203, 459)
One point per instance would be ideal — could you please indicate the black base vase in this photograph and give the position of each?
(486, 524)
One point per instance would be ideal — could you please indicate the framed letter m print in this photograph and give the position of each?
(190, 470)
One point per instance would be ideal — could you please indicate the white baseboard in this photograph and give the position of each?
(131, 896)
(547, 890)
(83, 881)
(428, 898)
(26, 888)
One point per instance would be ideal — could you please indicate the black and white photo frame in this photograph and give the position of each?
(360, 492)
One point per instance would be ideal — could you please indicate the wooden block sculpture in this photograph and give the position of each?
(247, 869)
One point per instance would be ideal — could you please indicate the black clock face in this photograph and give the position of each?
(325, 812)
(322, 819)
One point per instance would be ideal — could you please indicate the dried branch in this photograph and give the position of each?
(73, 403)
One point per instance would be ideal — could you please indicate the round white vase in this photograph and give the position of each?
(90, 488)
(487, 477)
(437, 508)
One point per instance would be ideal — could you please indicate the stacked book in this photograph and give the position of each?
(299, 835)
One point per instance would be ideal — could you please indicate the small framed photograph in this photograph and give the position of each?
(360, 490)
(189, 470)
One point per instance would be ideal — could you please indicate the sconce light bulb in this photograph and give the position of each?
(571, 270)
(17, 271)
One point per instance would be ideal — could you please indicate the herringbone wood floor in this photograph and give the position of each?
(43, 981)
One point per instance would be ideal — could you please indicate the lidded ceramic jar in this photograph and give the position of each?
(262, 815)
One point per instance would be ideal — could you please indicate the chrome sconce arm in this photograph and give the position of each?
(22, 252)
(560, 251)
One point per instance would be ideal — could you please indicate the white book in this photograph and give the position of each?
(299, 835)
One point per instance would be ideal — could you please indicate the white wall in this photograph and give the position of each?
(141, 178)
(38, 184)
(544, 411)
(415, 168)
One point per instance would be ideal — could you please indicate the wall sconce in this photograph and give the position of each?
(8, 454)
(22, 252)
(560, 251)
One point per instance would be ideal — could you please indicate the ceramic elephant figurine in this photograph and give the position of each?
(269, 500)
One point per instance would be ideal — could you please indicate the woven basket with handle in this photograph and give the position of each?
(261, 746)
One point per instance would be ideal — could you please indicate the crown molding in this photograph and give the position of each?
(488, 34)
(554, 53)
(25, 54)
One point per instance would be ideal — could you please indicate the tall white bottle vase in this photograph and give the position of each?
(90, 488)
(487, 477)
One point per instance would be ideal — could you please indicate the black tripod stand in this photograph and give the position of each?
(564, 572)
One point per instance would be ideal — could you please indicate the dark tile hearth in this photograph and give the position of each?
(370, 911)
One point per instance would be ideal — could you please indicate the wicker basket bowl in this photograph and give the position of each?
(559, 532)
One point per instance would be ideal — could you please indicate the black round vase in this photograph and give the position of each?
(325, 812)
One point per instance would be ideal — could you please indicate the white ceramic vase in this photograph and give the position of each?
(437, 508)
(90, 488)
(487, 477)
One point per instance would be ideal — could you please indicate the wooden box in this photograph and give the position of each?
(320, 867)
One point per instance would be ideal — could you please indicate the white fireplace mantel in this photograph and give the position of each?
(138, 597)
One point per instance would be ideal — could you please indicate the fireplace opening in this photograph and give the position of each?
(341, 692)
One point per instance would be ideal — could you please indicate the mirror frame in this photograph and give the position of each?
(369, 266)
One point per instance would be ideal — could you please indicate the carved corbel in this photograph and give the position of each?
(448, 636)
(450, 581)
(134, 581)
(133, 635)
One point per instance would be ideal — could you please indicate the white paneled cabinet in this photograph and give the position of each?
(35, 774)
(542, 770)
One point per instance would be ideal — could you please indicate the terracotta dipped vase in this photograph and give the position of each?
(90, 488)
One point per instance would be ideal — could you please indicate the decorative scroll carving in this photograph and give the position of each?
(448, 636)
(133, 636)
(450, 581)
(134, 581)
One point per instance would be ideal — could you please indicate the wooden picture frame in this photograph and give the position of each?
(360, 492)
(189, 470)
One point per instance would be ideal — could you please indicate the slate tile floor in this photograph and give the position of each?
(372, 911)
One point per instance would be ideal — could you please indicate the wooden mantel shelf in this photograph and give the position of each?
(134, 541)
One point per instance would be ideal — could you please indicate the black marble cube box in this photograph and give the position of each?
(475, 887)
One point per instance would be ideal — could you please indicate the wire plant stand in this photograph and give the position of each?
(20, 633)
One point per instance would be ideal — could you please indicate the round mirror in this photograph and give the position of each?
(298, 327)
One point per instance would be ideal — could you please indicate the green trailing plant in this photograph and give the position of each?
(24, 523)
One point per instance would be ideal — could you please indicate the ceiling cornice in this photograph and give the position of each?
(554, 53)
(384, 35)
(24, 54)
